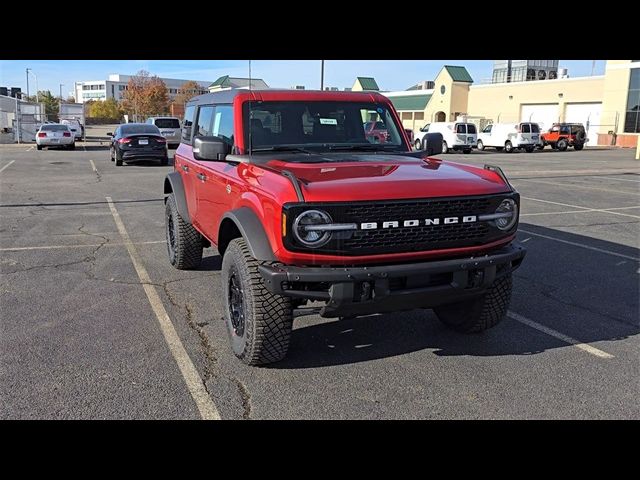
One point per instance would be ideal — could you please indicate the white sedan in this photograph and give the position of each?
(55, 135)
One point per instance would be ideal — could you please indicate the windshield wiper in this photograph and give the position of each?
(281, 148)
(364, 147)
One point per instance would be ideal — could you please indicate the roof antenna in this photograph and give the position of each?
(250, 122)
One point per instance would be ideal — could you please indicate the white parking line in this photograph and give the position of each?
(605, 210)
(53, 247)
(93, 166)
(208, 410)
(585, 210)
(2, 169)
(576, 244)
(560, 336)
(622, 179)
(571, 185)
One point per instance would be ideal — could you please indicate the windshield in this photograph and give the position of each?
(167, 123)
(320, 126)
(54, 128)
(139, 128)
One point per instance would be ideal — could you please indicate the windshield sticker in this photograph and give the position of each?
(328, 121)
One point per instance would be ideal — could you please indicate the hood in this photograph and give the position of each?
(383, 177)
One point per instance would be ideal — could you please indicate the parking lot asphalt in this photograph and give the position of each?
(79, 337)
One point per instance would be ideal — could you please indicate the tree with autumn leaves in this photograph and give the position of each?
(186, 92)
(145, 96)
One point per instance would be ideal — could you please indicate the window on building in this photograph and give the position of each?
(418, 116)
(406, 115)
(632, 117)
(122, 87)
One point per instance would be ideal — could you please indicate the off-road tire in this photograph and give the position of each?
(480, 145)
(540, 146)
(186, 251)
(268, 318)
(39, 147)
(477, 315)
(529, 149)
(578, 146)
(562, 145)
(445, 147)
(72, 146)
(418, 145)
(466, 151)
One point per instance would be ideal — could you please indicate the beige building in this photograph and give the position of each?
(608, 105)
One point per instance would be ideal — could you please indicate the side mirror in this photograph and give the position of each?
(211, 149)
(432, 143)
(409, 133)
(109, 134)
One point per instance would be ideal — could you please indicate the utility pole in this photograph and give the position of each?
(28, 81)
(322, 75)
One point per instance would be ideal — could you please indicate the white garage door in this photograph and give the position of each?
(587, 114)
(544, 114)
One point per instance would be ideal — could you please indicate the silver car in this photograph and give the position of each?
(169, 128)
(55, 135)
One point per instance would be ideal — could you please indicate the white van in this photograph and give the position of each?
(418, 137)
(509, 136)
(456, 135)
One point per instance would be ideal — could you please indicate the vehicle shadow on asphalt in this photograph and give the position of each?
(588, 295)
(212, 263)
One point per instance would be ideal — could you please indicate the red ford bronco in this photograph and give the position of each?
(312, 215)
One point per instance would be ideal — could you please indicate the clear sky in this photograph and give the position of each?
(390, 74)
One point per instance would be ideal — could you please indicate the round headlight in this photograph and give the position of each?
(508, 211)
(305, 233)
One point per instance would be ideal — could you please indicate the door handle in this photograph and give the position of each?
(185, 168)
(202, 176)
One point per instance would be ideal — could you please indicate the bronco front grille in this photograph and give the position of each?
(404, 239)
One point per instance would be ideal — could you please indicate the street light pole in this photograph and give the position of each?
(28, 81)
(321, 74)
(60, 107)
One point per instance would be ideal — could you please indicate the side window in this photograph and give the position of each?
(223, 123)
(526, 128)
(471, 128)
(487, 129)
(203, 126)
(535, 128)
(187, 123)
(564, 130)
(461, 128)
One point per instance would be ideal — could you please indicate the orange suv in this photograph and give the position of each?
(563, 135)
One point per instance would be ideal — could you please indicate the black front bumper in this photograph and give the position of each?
(389, 288)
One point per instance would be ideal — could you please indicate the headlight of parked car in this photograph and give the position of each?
(506, 214)
(310, 228)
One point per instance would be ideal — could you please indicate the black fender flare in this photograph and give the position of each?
(173, 184)
(251, 229)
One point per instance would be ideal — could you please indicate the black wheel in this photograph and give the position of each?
(480, 145)
(258, 322)
(184, 243)
(467, 151)
(418, 145)
(72, 146)
(481, 313)
(540, 146)
(445, 147)
(164, 160)
(39, 147)
(578, 146)
(562, 145)
(118, 157)
(508, 147)
(529, 149)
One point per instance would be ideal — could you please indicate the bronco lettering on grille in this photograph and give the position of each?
(417, 223)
